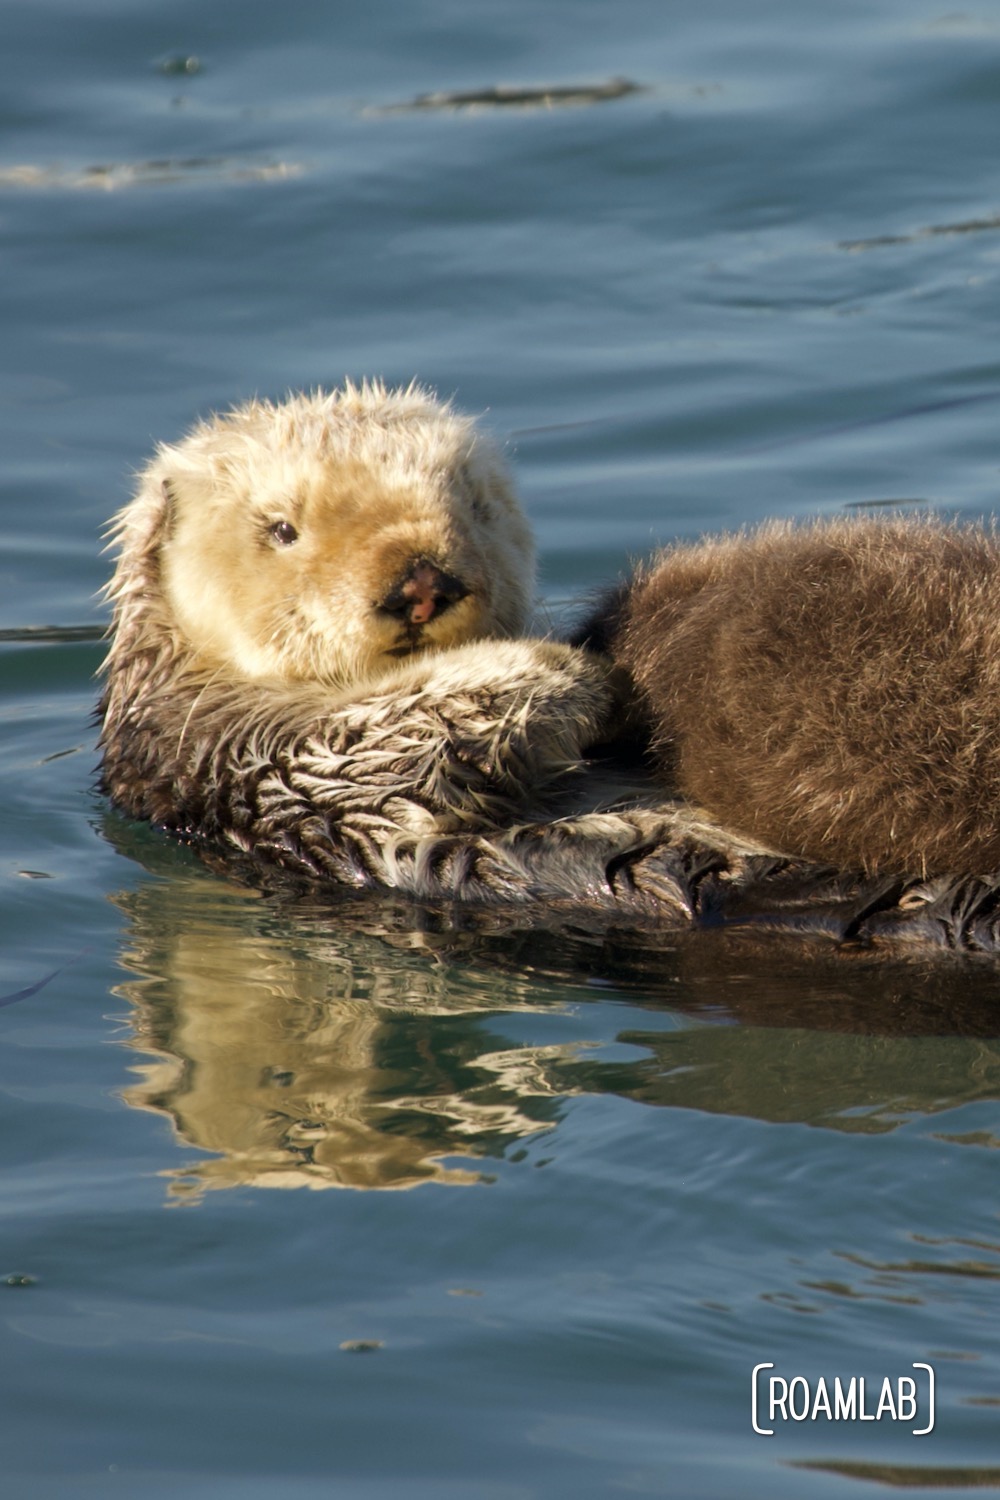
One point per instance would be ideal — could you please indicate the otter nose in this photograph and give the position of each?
(423, 592)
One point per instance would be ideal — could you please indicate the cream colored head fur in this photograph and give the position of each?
(271, 544)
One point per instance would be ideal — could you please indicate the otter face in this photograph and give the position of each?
(329, 537)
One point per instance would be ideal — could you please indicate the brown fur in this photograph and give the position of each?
(832, 691)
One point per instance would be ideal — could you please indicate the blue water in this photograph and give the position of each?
(333, 1201)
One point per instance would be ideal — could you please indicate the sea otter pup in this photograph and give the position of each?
(830, 690)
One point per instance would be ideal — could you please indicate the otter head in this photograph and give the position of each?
(326, 538)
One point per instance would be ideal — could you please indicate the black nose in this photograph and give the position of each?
(423, 592)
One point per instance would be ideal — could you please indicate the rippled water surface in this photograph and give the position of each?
(697, 264)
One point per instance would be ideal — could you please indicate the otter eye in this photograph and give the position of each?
(284, 533)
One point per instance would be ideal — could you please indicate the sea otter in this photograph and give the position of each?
(830, 690)
(317, 657)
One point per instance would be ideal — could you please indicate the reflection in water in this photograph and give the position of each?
(306, 1059)
(364, 1042)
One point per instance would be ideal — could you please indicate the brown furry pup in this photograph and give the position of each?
(830, 690)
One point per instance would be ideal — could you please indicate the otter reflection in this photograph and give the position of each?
(374, 1043)
(309, 1059)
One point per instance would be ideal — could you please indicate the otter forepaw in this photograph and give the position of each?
(475, 735)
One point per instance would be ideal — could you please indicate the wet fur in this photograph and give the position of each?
(831, 691)
(259, 697)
